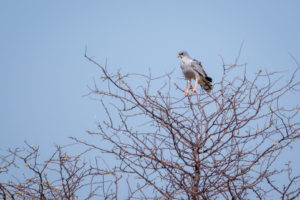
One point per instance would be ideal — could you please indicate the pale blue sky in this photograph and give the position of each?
(44, 73)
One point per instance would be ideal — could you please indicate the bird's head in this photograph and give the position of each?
(182, 54)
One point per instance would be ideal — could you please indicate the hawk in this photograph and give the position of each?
(192, 69)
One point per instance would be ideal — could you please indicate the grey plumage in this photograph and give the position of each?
(192, 69)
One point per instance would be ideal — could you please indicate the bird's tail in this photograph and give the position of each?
(205, 83)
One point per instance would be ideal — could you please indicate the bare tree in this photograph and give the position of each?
(204, 146)
(63, 176)
(221, 145)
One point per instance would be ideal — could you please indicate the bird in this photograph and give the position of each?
(192, 69)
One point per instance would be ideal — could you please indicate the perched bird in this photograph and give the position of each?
(192, 69)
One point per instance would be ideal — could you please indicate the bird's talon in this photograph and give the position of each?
(194, 90)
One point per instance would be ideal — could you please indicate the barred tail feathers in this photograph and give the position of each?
(205, 83)
(208, 78)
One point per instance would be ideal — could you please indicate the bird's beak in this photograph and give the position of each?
(179, 55)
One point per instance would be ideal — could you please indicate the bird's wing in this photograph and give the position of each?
(196, 65)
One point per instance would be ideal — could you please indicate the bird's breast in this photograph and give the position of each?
(185, 63)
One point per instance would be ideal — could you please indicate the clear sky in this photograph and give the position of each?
(44, 73)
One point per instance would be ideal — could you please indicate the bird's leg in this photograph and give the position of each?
(186, 92)
(195, 88)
